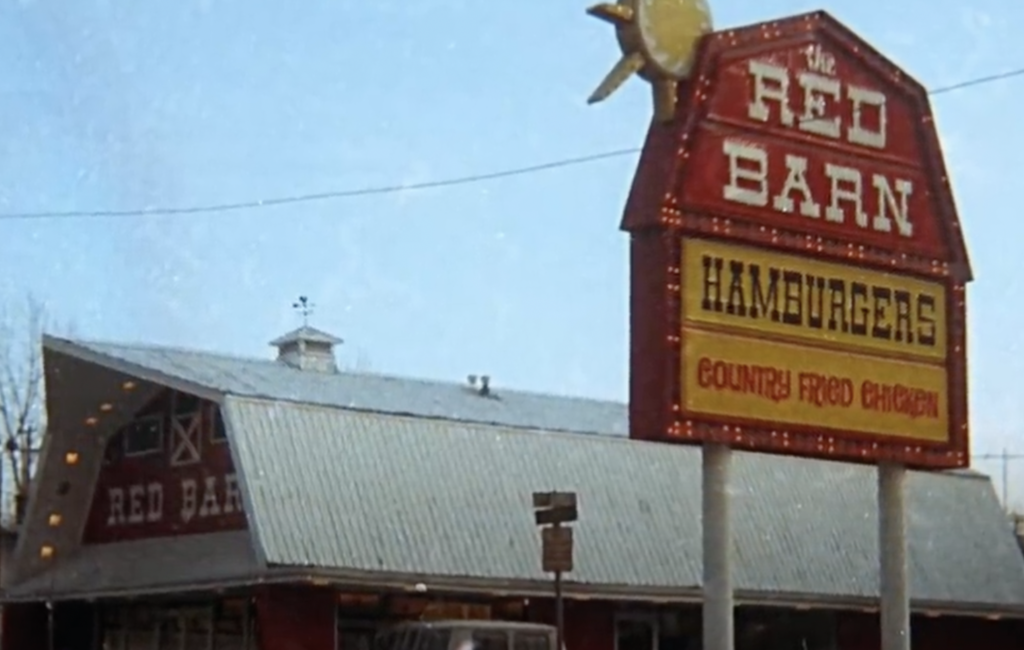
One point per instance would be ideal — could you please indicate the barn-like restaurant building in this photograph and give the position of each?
(193, 500)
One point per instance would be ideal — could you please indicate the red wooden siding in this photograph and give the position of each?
(295, 618)
(168, 472)
(861, 632)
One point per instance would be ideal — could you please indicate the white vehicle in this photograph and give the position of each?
(466, 635)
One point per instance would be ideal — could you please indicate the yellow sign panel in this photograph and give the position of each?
(788, 297)
(743, 378)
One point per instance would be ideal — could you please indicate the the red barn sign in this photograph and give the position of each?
(167, 472)
(798, 268)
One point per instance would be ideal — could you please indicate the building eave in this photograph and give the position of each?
(414, 584)
(455, 586)
(176, 589)
(88, 355)
(187, 563)
(419, 585)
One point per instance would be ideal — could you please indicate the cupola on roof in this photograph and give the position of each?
(308, 348)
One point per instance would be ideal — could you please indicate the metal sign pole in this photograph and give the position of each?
(892, 552)
(718, 594)
(559, 612)
(553, 511)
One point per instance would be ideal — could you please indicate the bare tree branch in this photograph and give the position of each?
(7, 400)
(21, 391)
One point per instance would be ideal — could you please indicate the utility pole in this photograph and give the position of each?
(1006, 479)
(553, 510)
(1004, 458)
(26, 472)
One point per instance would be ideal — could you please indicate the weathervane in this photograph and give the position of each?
(304, 307)
(658, 39)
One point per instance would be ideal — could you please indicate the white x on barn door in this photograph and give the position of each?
(187, 438)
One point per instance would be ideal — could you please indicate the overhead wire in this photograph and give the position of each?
(254, 204)
(323, 196)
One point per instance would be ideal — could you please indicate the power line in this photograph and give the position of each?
(322, 196)
(1005, 458)
(978, 81)
(392, 189)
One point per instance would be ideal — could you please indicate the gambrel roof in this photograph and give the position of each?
(369, 479)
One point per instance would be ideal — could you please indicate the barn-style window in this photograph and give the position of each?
(144, 436)
(218, 433)
(785, 629)
(185, 404)
(177, 626)
(636, 631)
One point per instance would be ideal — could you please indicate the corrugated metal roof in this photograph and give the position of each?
(147, 565)
(343, 489)
(370, 392)
(337, 477)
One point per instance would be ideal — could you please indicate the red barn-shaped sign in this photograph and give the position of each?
(798, 267)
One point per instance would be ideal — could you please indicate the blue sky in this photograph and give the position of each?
(115, 105)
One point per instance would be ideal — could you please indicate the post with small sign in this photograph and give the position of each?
(553, 511)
